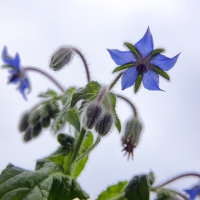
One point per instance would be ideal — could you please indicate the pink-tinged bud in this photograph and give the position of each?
(60, 58)
(104, 124)
(131, 136)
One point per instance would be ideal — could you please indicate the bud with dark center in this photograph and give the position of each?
(60, 58)
(131, 136)
(104, 124)
(37, 128)
(28, 134)
(92, 114)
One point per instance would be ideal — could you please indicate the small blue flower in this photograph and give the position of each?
(17, 75)
(193, 192)
(142, 63)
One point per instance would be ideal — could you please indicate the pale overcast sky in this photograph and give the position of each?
(171, 135)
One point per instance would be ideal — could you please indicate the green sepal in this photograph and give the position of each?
(7, 67)
(46, 122)
(161, 73)
(137, 188)
(88, 93)
(24, 122)
(48, 94)
(68, 93)
(132, 48)
(112, 99)
(79, 166)
(122, 67)
(155, 52)
(72, 117)
(34, 117)
(138, 83)
(47, 182)
(37, 128)
(165, 194)
(114, 191)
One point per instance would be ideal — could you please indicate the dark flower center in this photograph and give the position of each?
(142, 66)
(14, 76)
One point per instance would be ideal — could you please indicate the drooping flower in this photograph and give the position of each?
(143, 63)
(17, 74)
(193, 192)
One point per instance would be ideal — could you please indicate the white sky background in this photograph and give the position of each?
(171, 135)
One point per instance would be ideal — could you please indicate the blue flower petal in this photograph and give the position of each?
(9, 60)
(122, 57)
(164, 62)
(145, 45)
(129, 77)
(151, 80)
(23, 86)
(193, 192)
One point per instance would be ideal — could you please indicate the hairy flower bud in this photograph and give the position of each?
(46, 121)
(92, 113)
(131, 136)
(28, 134)
(60, 58)
(24, 122)
(104, 124)
(34, 117)
(37, 129)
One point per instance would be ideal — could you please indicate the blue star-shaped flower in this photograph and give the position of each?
(193, 192)
(142, 63)
(17, 75)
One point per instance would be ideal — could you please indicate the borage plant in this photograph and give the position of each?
(90, 111)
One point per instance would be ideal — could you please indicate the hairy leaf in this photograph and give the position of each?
(113, 191)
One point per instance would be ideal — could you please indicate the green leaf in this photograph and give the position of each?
(48, 93)
(161, 73)
(88, 93)
(112, 98)
(48, 182)
(151, 178)
(59, 156)
(72, 117)
(138, 82)
(79, 166)
(113, 191)
(137, 188)
(132, 48)
(155, 52)
(122, 67)
(67, 94)
(164, 194)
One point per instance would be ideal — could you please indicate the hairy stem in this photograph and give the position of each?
(84, 62)
(115, 80)
(45, 74)
(176, 178)
(75, 150)
(88, 150)
(129, 102)
(179, 194)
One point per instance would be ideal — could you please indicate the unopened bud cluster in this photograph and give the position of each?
(97, 116)
(61, 57)
(132, 135)
(33, 122)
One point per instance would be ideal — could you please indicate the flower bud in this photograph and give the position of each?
(92, 114)
(37, 129)
(24, 122)
(34, 117)
(132, 135)
(28, 134)
(60, 58)
(46, 121)
(104, 124)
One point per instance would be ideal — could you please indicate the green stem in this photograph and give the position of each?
(75, 150)
(129, 102)
(88, 151)
(45, 74)
(115, 80)
(178, 193)
(84, 62)
(176, 178)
